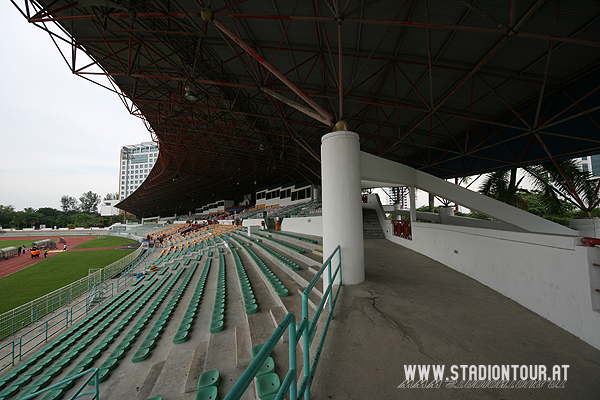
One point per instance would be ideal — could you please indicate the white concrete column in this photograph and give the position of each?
(396, 213)
(342, 204)
(413, 204)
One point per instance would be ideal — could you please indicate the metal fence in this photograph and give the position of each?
(27, 314)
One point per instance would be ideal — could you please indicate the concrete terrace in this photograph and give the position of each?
(413, 310)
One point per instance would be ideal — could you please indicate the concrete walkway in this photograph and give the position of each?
(412, 310)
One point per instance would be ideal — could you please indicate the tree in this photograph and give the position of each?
(561, 185)
(564, 180)
(111, 196)
(69, 204)
(89, 202)
(503, 186)
(7, 214)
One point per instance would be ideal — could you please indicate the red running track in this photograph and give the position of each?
(17, 263)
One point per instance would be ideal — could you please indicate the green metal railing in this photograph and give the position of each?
(95, 392)
(9, 353)
(24, 340)
(306, 330)
(27, 314)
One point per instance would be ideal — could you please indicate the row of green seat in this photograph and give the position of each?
(247, 292)
(190, 314)
(85, 336)
(275, 283)
(267, 381)
(208, 385)
(151, 275)
(96, 352)
(285, 261)
(284, 244)
(218, 315)
(119, 352)
(313, 241)
(44, 357)
(143, 351)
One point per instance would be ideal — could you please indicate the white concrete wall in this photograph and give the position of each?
(548, 274)
(252, 222)
(303, 225)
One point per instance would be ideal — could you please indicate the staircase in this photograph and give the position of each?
(371, 226)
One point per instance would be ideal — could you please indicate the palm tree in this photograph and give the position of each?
(565, 180)
(503, 186)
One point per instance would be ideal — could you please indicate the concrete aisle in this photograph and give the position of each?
(413, 310)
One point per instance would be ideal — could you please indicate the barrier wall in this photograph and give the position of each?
(303, 225)
(252, 222)
(550, 275)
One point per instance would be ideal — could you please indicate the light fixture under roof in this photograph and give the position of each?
(189, 94)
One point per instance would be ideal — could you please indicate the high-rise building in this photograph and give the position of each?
(137, 161)
(592, 164)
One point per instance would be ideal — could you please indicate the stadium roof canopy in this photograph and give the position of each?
(238, 93)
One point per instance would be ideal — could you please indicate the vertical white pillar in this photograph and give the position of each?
(342, 204)
(413, 204)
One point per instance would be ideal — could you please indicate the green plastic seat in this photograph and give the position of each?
(85, 363)
(217, 317)
(22, 381)
(251, 308)
(53, 394)
(256, 349)
(9, 391)
(218, 310)
(216, 326)
(30, 390)
(75, 371)
(141, 355)
(63, 362)
(187, 320)
(116, 353)
(148, 343)
(267, 385)
(207, 393)
(153, 335)
(6, 379)
(180, 337)
(101, 346)
(209, 378)
(42, 381)
(267, 367)
(110, 363)
(94, 354)
(36, 370)
(124, 345)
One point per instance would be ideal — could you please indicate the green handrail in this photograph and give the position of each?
(305, 329)
(10, 354)
(95, 392)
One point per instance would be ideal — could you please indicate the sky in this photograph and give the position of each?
(59, 134)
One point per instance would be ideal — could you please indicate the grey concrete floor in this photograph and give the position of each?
(412, 310)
